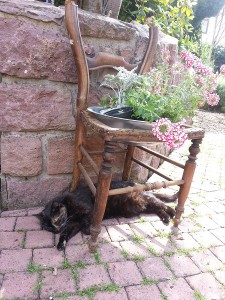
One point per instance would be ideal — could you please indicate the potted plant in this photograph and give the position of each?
(166, 95)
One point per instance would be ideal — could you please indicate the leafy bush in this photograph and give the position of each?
(218, 56)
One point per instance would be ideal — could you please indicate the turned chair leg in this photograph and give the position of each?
(128, 163)
(103, 186)
(188, 174)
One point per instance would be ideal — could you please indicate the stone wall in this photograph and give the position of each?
(38, 85)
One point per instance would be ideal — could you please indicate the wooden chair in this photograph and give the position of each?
(85, 121)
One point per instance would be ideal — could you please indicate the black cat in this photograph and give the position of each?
(72, 212)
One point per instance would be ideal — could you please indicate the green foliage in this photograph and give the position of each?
(221, 92)
(173, 16)
(218, 56)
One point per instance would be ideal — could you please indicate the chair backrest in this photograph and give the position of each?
(102, 59)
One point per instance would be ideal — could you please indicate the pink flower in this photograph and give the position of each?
(222, 69)
(161, 128)
(172, 134)
(203, 69)
(188, 58)
(212, 99)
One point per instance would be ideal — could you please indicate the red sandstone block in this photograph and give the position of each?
(28, 223)
(182, 265)
(75, 253)
(120, 295)
(110, 252)
(63, 282)
(60, 156)
(139, 292)
(125, 273)
(20, 285)
(11, 240)
(93, 275)
(154, 268)
(37, 108)
(21, 156)
(14, 260)
(34, 193)
(7, 224)
(207, 285)
(39, 239)
(177, 289)
(48, 257)
(205, 260)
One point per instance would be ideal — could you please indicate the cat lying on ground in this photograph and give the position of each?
(72, 212)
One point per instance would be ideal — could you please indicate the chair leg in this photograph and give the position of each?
(187, 177)
(102, 191)
(79, 137)
(128, 162)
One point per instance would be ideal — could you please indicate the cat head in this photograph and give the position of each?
(54, 216)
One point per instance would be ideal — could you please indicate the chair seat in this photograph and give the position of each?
(132, 136)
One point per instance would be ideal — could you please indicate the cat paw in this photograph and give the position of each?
(61, 246)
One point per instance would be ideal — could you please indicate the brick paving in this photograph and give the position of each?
(137, 258)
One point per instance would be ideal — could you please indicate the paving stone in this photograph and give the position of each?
(92, 275)
(140, 292)
(185, 241)
(202, 210)
(219, 252)
(206, 261)
(188, 225)
(154, 268)
(182, 266)
(14, 260)
(110, 252)
(120, 295)
(77, 239)
(125, 273)
(207, 285)
(28, 223)
(63, 282)
(34, 211)
(143, 229)
(219, 219)
(136, 249)
(128, 220)
(7, 224)
(14, 213)
(119, 233)
(220, 276)
(109, 222)
(206, 222)
(176, 290)
(48, 257)
(19, 285)
(216, 206)
(219, 233)
(76, 253)
(11, 240)
(39, 239)
(159, 246)
(206, 239)
(161, 227)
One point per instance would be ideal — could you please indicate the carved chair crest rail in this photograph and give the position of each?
(131, 138)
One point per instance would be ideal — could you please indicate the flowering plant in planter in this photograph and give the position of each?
(166, 95)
